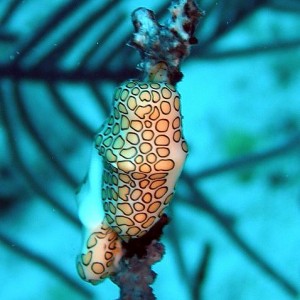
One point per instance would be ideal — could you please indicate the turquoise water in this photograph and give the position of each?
(235, 216)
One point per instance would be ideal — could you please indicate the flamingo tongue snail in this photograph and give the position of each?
(143, 151)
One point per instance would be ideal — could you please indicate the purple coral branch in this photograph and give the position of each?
(169, 42)
(135, 275)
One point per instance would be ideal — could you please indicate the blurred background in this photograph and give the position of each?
(234, 233)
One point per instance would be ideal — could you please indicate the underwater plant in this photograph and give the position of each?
(143, 151)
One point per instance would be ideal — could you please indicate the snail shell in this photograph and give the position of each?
(143, 149)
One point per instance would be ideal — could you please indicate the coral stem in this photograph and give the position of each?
(134, 275)
(169, 42)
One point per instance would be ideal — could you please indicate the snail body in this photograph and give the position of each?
(143, 152)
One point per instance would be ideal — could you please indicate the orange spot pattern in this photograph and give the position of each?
(98, 260)
(150, 144)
